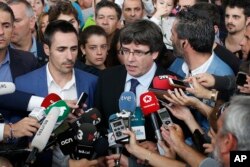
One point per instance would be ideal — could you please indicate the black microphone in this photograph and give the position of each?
(92, 116)
(67, 141)
(86, 135)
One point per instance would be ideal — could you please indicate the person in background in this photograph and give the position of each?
(107, 16)
(37, 6)
(94, 46)
(42, 23)
(237, 15)
(162, 17)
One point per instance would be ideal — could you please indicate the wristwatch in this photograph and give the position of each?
(214, 95)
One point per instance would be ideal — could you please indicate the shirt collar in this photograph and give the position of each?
(144, 78)
(6, 59)
(201, 69)
(33, 48)
(51, 81)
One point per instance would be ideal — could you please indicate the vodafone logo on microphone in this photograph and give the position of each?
(147, 99)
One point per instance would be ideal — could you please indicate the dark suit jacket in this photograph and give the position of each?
(109, 88)
(21, 62)
(41, 56)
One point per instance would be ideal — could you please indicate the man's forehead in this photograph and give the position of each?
(132, 3)
(236, 10)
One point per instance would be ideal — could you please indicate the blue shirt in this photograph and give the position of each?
(5, 72)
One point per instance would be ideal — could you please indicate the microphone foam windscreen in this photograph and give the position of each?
(127, 102)
(65, 110)
(7, 88)
(43, 133)
(92, 116)
(87, 134)
(162, 82)
(50, 99)
(149, 103)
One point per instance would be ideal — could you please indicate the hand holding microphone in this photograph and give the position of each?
(25, 127)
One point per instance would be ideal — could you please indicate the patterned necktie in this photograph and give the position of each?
(134, 84)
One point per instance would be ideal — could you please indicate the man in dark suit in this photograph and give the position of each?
(13, 62)
(141, 43)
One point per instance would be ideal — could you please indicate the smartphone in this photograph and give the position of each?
(158, 92)
(179, 84)
(164, 116)
(241, 78)
(80, 102)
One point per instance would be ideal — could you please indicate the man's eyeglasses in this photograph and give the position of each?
(137, 53)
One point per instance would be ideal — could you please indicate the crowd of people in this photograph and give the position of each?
(105, 48)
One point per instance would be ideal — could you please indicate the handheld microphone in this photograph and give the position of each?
(92, 116)
(86, 135)
(39, 112)
(50, 99)
(42, 136)
(127, 105)
(150, 105)
(161, 82)
(65, 110)
(127, 102)
(7, 88)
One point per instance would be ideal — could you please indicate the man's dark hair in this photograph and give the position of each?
(89, 31)
(244, 4)
(211, 10)
(57, 26)
(4, 7)
(194, 26)
(108, 4)
(143, 32)
(62, 7)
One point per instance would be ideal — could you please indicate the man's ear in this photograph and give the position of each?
(46, 49)
(32, 23)
(184, 43)
(229, 143)
(155, 55)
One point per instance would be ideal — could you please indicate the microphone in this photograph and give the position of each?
(57, 111)
(38, 112)
(50, 99)
(64, 111)
(127, 105)
(149, 105)
(42, 136)
(161, 82)
(86, 135)
(7, 88)
(92, 116)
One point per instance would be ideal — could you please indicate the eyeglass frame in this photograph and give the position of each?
(137, 53)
